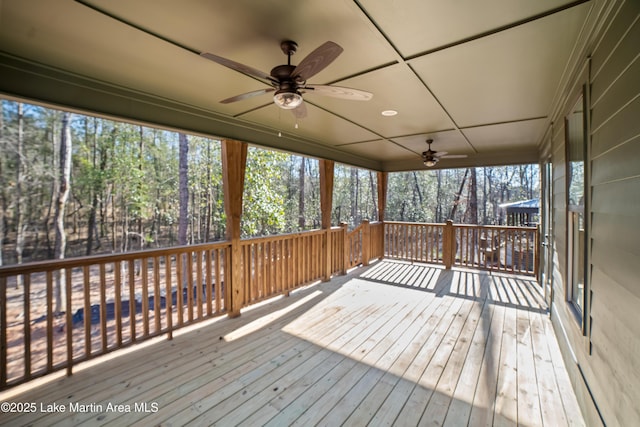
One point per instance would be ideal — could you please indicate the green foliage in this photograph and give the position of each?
(264, 199)
(125, 180)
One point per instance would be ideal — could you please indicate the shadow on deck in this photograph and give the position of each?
(394, 343)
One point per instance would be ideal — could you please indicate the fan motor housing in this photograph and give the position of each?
(282, 72)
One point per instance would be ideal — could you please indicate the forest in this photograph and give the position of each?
(74, 185)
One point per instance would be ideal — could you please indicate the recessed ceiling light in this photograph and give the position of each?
(389, 113)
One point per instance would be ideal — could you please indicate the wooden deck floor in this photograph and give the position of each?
(395, 344)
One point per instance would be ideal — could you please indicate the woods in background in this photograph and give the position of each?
(131, 187)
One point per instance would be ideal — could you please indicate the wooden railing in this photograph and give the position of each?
(109, 302)
(337, 250)
(55, 314)
(494, 248)
(419, 242)
(364, 243)
(508, 249)
(275, 265)
(354, 246)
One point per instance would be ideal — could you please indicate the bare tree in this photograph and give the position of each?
(18, 200)
(456, 201)
(63, 190)
(183, 185)
(374, 197)
(471, 214)
(301, 218)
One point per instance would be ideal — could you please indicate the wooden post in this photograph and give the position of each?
(326, 205)
(366, 242)
(234, 162)
(345, 245)
(536, 251)
(448, 244)
(382, 204)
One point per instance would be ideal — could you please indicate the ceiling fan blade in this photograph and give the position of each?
(246, 95)
(340, 92)
(300, 112)
(454, 156)
(439, 153)
(244, 69)
(316, 61)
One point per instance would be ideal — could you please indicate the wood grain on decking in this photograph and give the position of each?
(394, 344)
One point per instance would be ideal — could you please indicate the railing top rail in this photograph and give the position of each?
(496, 227)
(274, 237)
(440, 224)
(437, 224)
(58, 264)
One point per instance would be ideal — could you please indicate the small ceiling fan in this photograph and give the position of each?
(431, 157)
(289, 81)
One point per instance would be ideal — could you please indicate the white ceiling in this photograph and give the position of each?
(480, 78)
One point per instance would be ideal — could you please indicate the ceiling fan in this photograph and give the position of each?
(289, 81)
(431, 157)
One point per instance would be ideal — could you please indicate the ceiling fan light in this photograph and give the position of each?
(431, 162)
(287, 100)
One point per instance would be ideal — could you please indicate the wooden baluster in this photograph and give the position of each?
(189, 272)
(144, 262)
(26, 283)
(69, 322)
(209, 280)
(86, 283)
(168, 296)
(218, 283)
(156, 295)
(179, 288)
(199, 282)
(50, 320)
(117, 268)
(3, 331)
(103, 308)
(132, 300)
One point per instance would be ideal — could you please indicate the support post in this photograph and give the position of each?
(536, 251)
(234, 162)
(448, 244)
(366, 242)
(326, 206)
(345, 245)
(382, 204)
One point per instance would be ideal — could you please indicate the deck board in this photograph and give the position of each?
(392, 344)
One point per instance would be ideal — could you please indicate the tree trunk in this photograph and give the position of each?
(416, 187)
(301, 219)
(92, 229)
(61, 201)
(439, 196)
(374, 197)
(354, 196)
(471, 216)
(209, 210)
(456, 200)
(20, 174)
(140, 228)
(183, 186)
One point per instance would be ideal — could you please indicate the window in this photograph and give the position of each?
(575, 127)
